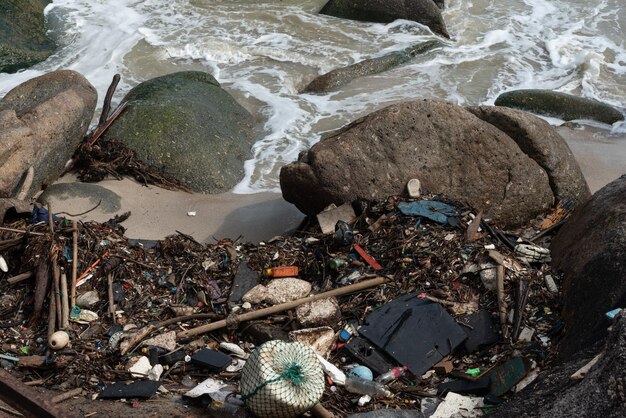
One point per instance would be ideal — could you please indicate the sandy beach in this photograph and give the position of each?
(157, 213)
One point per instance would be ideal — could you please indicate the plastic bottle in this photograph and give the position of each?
(283, 271)
(367, 387)
(392, 374)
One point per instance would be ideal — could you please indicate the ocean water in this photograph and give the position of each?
(264, 52)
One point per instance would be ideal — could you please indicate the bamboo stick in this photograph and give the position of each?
(111, 301)
(51, 317)
(279, 308)
(501, 300)
(65, 317)
(20, 277)
(74, 261)
(56, 275)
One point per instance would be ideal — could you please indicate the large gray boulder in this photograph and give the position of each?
(559, 105)
(537, 139)
(42, 121)
(339, 77)
(449, 149)
(425, 12)
(188, 127)
(23, 38)
(590, 251)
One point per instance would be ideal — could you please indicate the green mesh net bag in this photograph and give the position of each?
(281, 379)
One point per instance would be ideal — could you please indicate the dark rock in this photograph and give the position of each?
(342, 76)
(590, 250)
(42, 121)
(23, 38)
(555, 395)
(261, 332)
(542, 143)
(445, 146)
(559, 105)
(425, 12)
(188, 127)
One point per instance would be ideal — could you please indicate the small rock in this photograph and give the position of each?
(88, 299)
(319, 312)
(156, 372)
(488, 275)
(319, 339)
(166, 341)
(87, 316)
(414, 188)
(255, 295)
(139, 366)
(246, 306)
(278, 291)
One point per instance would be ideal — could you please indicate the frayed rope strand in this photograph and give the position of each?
(294, 373)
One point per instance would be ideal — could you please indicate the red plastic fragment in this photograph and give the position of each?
(368, 258)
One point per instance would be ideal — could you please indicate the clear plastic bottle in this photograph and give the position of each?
(392, 374)
(367, 387)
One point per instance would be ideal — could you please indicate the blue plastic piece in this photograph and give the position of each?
(344, 335)
(362, 372)
(433, 210)
(612, 314)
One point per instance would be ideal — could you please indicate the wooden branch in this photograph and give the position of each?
(144, 332)
(106, 106)
(20, 277)
(184, 335)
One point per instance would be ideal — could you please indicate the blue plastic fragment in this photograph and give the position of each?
(433, 210)
(613, 313)
(344, 335)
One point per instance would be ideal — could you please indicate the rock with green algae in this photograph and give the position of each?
(189, 128)
(559, 105)
(23, 38)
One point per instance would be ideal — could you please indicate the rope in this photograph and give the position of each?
(294, 373)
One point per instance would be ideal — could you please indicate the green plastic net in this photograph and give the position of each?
(282, 379)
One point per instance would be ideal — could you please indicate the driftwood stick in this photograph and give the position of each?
(74, 262)
(56, 275)
(51, 317)
(235, 319)
(20, 277)
(65, 304)
(50, 220)
(501, 300)
(145, 331)
(97, 133)
(19, 231)
(106, 106)
(65, 396)
(111, 301)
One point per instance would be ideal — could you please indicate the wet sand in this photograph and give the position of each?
(156, 212)
(601, 155)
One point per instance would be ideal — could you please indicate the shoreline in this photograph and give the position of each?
(157, 213)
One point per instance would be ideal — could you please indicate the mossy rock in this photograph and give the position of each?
(23, 38)
(339, 77)
(189, 128)
(559, 105)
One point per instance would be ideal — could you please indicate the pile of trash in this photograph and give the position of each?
(409, 303)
